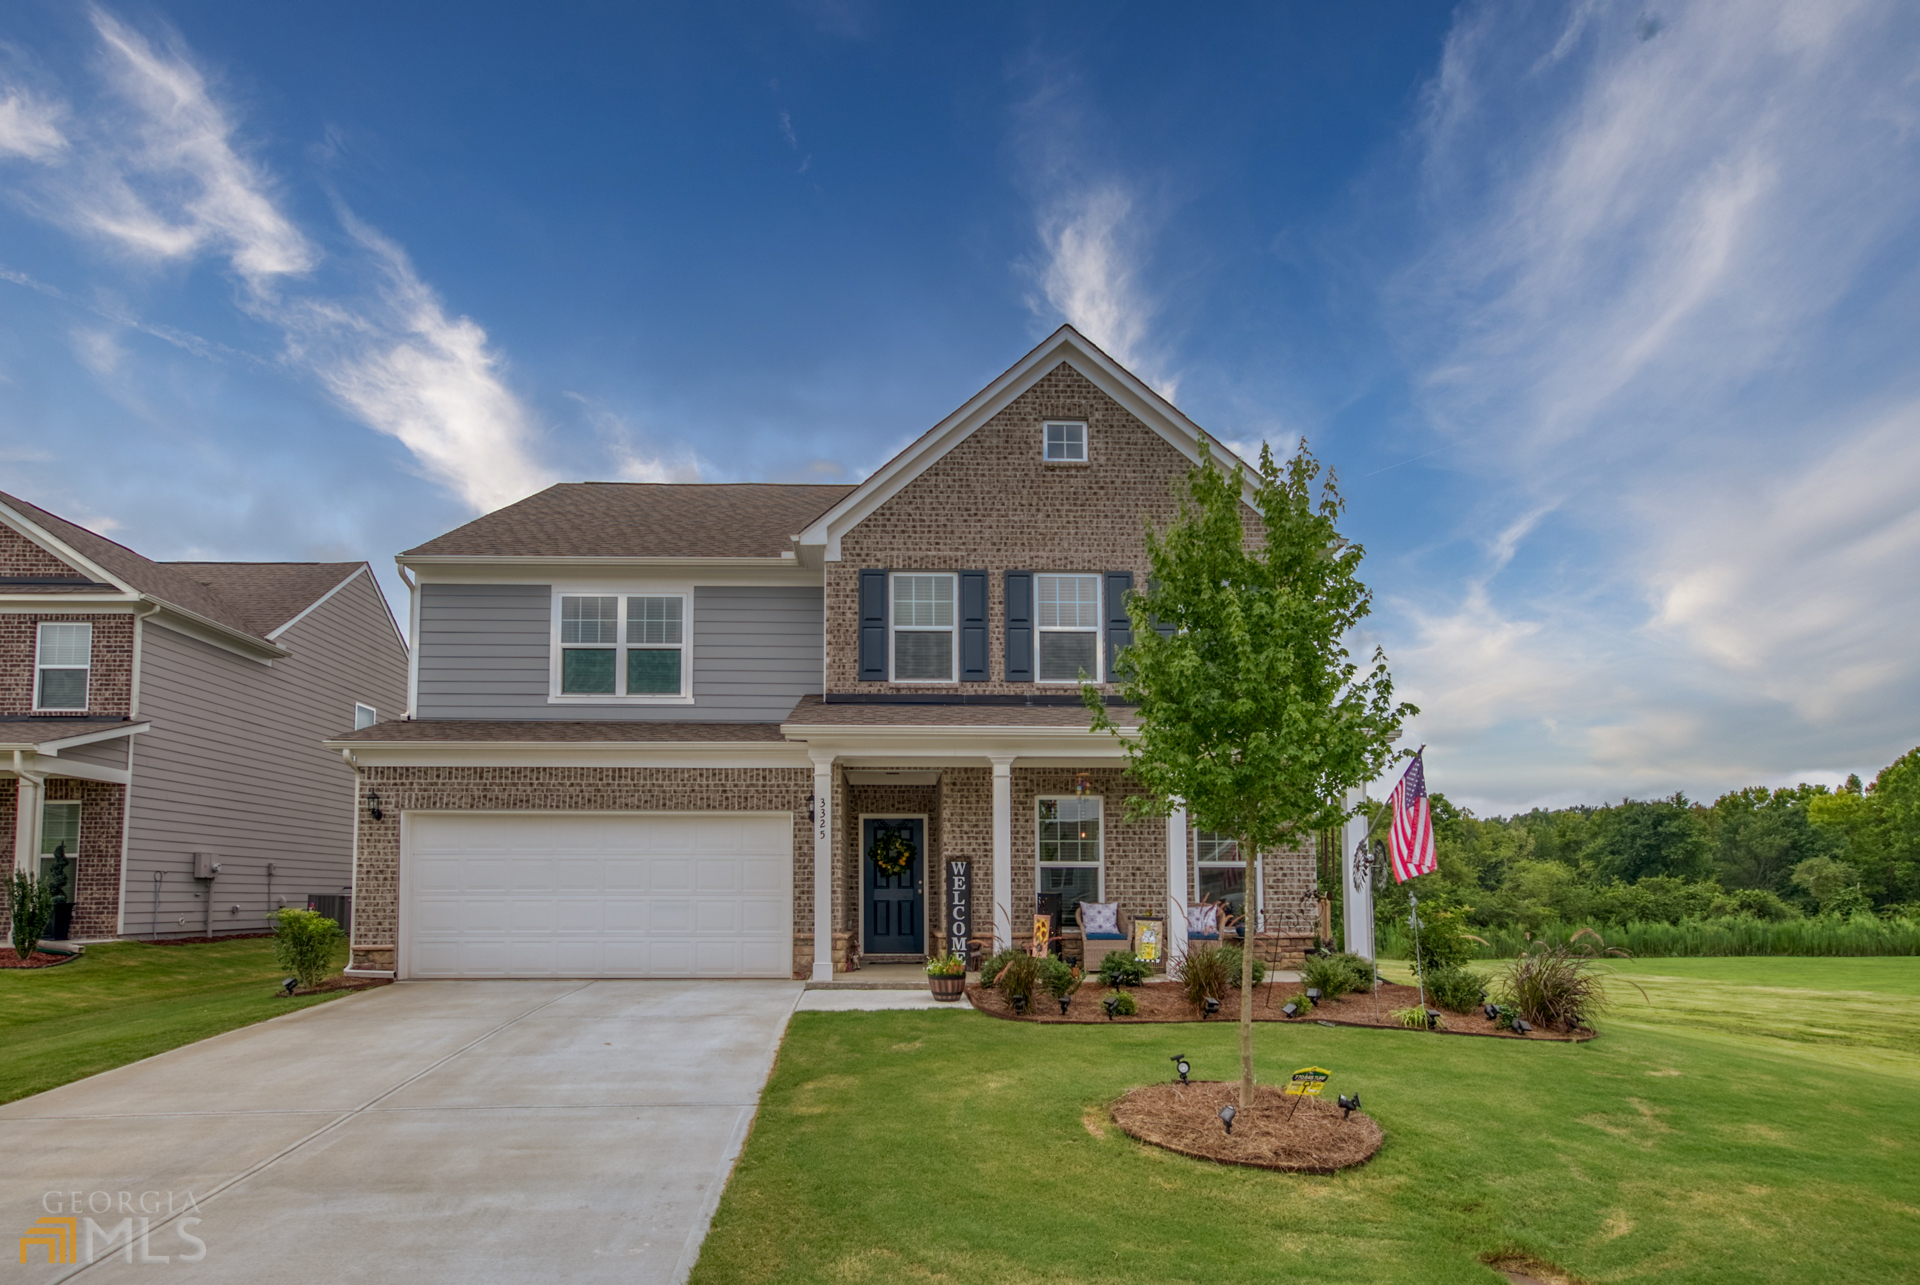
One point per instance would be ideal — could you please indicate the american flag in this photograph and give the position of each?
(1411, 843)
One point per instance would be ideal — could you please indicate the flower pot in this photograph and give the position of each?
(948, 988)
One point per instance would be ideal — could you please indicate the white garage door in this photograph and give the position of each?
(565, 894)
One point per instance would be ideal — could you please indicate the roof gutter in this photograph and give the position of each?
(236, 639)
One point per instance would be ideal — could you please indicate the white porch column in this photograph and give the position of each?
(1177, 883)
(1002, 852)
(29, 793)
(822, 867)
(1356, 867)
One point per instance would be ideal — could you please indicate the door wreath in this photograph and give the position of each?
(892, 853)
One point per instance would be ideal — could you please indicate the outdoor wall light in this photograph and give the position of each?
(373, 805)
(1313, 993)
(287, 986)
(1110, 1004)
(1349, 1105)
(1212, 1007)
(1181, 1065)
(1291, 1009)
(1226, 1117)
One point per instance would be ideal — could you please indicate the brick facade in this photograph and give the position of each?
(96, 910)
(20, 556)
(109, 681)
(991, 503)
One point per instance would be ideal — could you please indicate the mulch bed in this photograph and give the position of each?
(341, 984)
(1164, 1002)
(1300, 1135)
(10, 958)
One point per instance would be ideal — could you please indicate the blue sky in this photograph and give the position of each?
(1605, 314)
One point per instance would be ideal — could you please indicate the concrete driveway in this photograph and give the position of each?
(422, 1132)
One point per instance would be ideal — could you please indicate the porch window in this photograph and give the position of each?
(623, 645)
(62, 659)
(1068, 627)
(59, 827)
(1219, 873)
(1070, 845)
(923, 649)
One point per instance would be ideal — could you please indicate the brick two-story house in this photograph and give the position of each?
(655, 730)
(162, 723)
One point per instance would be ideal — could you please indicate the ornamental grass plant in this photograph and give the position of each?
(1206, 974)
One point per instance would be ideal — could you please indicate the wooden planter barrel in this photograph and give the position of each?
(948, 988)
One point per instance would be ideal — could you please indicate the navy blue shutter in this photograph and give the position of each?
(1119, 624)
(1019, 609)
(973, 626)
(873, 626)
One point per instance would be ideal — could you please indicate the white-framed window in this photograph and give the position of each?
(621, 646)
(1064, 441)
(1070, 845)
(922, 638)
(62, 658)
(59, 828)
(1220, 873)
(364, 716)
(1067, 627)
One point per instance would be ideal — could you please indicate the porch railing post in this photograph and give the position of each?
(1002, 851)
(822, 867)
(1177, 884)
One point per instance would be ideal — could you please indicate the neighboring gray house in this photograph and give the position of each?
(163, 726)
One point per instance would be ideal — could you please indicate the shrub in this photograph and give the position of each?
(1058, 978)
(303, 942)
(1457, 990)
(1018, 976)
(1231, 957)
(1124, 1005)
(31, 901)
(1124, 968)
(1444, 941)
(1754, 903)
(990, 971)
(1336, 975)
(1203, 975)
(1557, 986)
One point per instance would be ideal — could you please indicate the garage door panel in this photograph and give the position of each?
(584, 895)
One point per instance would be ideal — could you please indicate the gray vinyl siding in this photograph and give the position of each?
(484, 653)
(234, 765)
(101, 753)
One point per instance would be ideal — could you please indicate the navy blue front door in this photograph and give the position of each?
(894, 908)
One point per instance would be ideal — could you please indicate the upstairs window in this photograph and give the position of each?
(623, 645)
(364, 716)
(923, 649)
(1067, 621)
(61, 662)
(1065, 441)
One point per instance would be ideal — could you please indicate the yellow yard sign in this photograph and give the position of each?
(1308, 1081)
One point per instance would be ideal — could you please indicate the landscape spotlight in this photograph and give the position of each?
(1019, 1003)
(1110, 1003)
(1349, 1105)
(1521, 1026)
(287, 986)
(1433, 1019)
(1212, 1006)
(1492, 1012)
(1181, 1065)
(1226, 1118)
(1291, 1009)
(1313, 993)
(1064, 1001)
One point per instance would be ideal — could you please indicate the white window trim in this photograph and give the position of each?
(684, 592)
(1086, 441)
(373, 715)
(86, 700)
(1100, 880)
(895, 628)
(1099, 631)
(1239, 863)
(79, 819)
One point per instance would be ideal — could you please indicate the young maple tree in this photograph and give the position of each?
(1251, 712)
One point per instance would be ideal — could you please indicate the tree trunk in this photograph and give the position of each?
(1250, 923)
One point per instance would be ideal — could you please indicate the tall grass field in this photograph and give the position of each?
(1824, 936)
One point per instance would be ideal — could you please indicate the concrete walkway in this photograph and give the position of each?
(424, 1132)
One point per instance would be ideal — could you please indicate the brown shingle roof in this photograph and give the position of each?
(540, 731)
(40, 731)
(267, 594)
(643, 520)
(252, 597)
(813, 712)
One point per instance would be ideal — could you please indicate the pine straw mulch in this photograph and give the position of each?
(1164, 1002)
(339, 983)
(10, 958)
(1299, 1135)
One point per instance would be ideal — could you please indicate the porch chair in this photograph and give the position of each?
(1101, 933)
(1203, 922)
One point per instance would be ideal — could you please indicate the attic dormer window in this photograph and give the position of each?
(1066, 442)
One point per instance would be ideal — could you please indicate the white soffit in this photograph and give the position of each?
(892, 776)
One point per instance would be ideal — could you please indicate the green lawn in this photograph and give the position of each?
(953, 1147)
(123, 1001)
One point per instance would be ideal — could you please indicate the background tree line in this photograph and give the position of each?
(1755, 853)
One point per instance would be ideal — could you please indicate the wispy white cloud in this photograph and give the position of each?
(1090, 275)
(1659, 314)
(633, 459)
(156, 171)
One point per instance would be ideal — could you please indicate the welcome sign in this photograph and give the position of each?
(959, 905)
